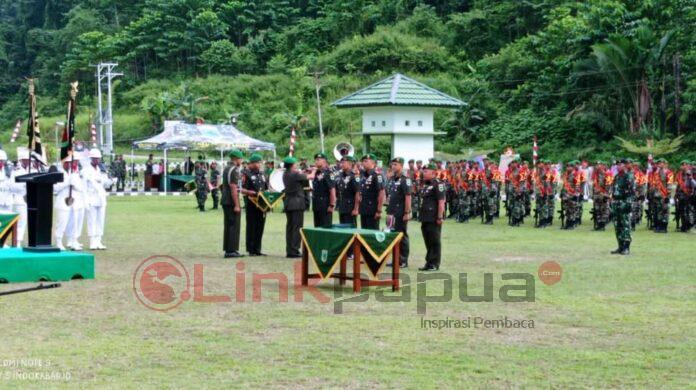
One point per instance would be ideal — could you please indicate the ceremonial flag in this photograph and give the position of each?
(66, 146)
(292, 141)
(15, 132)
(535, 152)
(33, 131)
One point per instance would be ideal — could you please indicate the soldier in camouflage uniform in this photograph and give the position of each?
(517, 180)
(541, 202)
(661, 179)
(569, 197)
(488, 180)
(414, 174)
(640, 196)
(684, 197)
(601, 193)
(622, 198)
(201, 186)
(528, 190)
(214, 183)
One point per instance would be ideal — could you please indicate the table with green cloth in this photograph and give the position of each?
(329, 248)
(176, 182)
(18, 265)
(8, 225)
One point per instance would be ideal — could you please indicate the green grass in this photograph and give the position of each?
(612, 321)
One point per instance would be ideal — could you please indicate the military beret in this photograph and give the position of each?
(623, 160)
(411, 161)
(236, 153)
(369, 156)
(255, 158)
(348, 158)
(431, 166)
(398, 160)
(320, 155)
(629, 160)
(290, 160)
(685, 162)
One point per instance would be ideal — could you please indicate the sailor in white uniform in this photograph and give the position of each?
(19, 192)
(69, 205)
(5, 190)
(95, 196)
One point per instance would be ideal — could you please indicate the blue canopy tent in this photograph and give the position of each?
(184, 136)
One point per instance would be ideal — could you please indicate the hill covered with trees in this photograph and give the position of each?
(576, 74)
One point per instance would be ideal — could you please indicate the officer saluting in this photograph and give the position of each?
(371, 194)
(295, 183)
(432, 212)
(399, 207)
(231, 177)
(253, 183)
(323, 192)
(348, 190)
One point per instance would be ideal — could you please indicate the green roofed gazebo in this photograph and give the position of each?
(402, 108)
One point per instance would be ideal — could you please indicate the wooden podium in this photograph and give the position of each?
(40, 209)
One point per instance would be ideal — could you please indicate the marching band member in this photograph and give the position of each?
(95, 183)
(69, 205)
(19, 192)
(5, 191)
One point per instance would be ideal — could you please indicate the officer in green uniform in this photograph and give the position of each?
(215, 183)
(348, 192)
(371, 194)
(294, 206)
(622, 198)
(253, 183)
(201, 186)
(399, 206)
(432, 212)
(323, 192)
(231, 180)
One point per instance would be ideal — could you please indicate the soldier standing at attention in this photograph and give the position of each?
(214, 184)
(231, 178)
(624, 187)
(662, 179)
(601, 190)
(201, 186)
(323, 192)
(371, 194)
(399, 207)
(294, 206)
(348, 191)
(254, 183)
(432, 213)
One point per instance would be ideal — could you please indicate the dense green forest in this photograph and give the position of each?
(576, 74)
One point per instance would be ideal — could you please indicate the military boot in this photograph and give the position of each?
(626, 248)
(618, 250)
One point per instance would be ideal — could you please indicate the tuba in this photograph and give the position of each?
(343, 149)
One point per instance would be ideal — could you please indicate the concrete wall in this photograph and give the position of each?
(397, 119)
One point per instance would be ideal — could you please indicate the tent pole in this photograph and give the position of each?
(165, 170)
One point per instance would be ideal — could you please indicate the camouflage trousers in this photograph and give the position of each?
(686, 211)
(517, 208)
(215, 194)
(572, 211)
(600, 209)
(464, 206)
(622, 221)
(636, 212)
(491, 203)
(201, 197)
(661, 212)
(527, 204)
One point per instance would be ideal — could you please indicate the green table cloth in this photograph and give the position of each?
(18, 265)
(326, 246)
(7, 221)
(176, 182)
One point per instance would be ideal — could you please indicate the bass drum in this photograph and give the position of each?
(275, 181)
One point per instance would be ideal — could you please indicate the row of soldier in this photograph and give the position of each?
(81, 195)
(476, 190)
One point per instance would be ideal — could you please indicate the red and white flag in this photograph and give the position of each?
(292, 141)
(93, 129)
(535, 151)
(15, 132)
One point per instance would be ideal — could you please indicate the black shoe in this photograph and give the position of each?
(428, 267)
(293, 256)
(401, 265)
(626, 249)
(260, 254)
(618, 250)
(252, 254)
(233, 255)
(215, 207)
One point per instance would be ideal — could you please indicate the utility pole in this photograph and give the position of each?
(105, 122)
(317, 84)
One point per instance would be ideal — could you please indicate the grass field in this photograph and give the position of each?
(612, 321)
